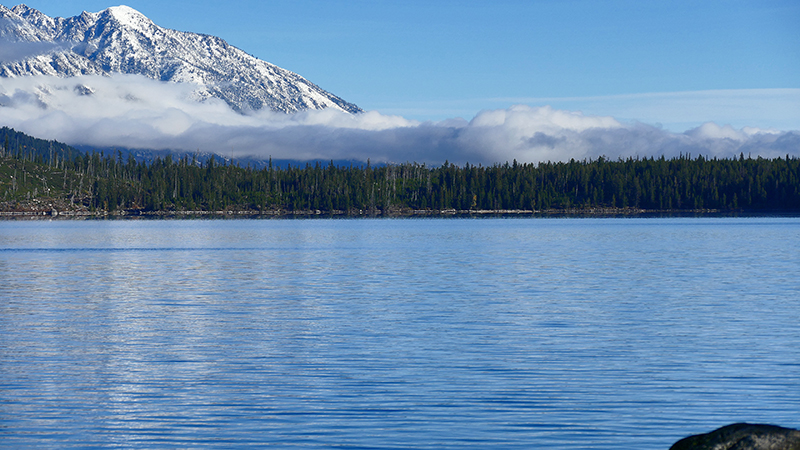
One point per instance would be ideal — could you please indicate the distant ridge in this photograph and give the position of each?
(13, 142)
(122, 40)
(16, 143)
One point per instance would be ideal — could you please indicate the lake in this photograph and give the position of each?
(550, 333)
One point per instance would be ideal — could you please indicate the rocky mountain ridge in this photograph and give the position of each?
(122, 40)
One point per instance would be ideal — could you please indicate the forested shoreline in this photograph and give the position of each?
(38, 176)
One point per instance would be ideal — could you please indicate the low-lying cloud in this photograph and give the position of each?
(23, 50)
(132, 111)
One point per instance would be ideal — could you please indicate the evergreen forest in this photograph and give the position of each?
(52, 175)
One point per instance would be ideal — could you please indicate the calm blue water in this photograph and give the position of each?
(394, 334)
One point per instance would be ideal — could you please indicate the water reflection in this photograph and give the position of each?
(557, 334)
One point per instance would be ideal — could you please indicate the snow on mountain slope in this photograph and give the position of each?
(122, 40)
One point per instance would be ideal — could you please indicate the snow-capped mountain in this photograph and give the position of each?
(122, 40)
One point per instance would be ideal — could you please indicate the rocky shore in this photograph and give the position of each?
(743, 436)
(64, 209)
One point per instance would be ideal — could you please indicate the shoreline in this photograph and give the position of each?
(46, 210)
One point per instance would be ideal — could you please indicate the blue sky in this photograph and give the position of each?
(436, 59)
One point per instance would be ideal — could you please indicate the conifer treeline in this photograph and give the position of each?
(654, 184)
(97, 181)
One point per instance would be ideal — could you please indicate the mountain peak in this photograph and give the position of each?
(128, 16)
(120, 39)
(21, 9)
(124, 10)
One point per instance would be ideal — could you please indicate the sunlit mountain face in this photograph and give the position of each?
(121, 40)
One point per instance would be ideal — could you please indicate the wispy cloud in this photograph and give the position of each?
(674, 111)
(23, 50)
(136, 112)
(678, 111)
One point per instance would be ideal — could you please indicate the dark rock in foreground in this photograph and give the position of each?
(743, 436)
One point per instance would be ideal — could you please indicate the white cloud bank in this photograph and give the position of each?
(679, 111)
(135, 112)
